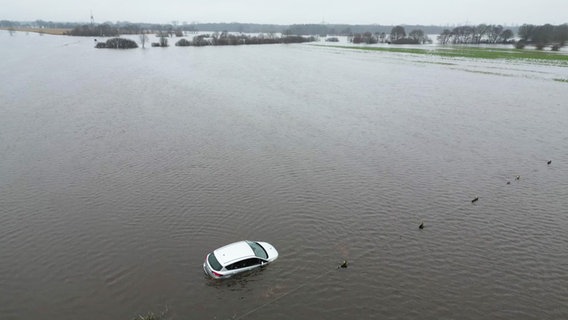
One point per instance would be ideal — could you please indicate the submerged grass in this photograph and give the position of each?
(149, 316)
(152, 316)
(475, 53)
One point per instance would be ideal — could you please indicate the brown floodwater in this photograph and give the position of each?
(121, 170)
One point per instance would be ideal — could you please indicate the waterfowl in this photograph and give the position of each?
(421, 226)
(518, 178)
(549, 162)
(474, 199)
(343, 265)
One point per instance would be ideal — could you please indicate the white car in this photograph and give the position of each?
(238, 257)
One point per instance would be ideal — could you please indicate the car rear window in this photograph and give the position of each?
(214, 262)
(258, 250)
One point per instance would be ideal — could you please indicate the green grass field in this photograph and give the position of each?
(475, 53)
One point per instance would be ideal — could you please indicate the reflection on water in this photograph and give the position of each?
(120, 170)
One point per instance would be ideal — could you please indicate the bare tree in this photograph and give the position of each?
(417, 35)
(143, 39)
(506, 35)
(163, 41)
(397, 33)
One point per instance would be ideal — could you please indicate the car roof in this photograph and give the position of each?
(234, 251)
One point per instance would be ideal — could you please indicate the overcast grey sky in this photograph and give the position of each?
(386, 12)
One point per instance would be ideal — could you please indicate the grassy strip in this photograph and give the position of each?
(477, 53)
(53, 31)
(561, 80)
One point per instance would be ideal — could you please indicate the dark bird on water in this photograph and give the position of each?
(549, 162)
(518, 178)
(508, 182)
(343, 265)
(421, 226)
(474, 199)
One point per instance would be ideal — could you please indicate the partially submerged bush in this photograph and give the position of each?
(520, 44)
(163, 41)
(183, 43)
(117, 43)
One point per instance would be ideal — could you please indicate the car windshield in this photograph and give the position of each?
(258, 250)
(214, 262)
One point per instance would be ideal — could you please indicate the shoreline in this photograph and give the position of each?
(51, 31)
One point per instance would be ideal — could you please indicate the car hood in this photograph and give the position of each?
(270, 250)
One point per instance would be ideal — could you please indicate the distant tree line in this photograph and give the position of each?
(215, 39)
(227, 39)
(125, 27)
(416, 36)
(542, 36)
(366, 37)
(483, 33)
(108, 29)
(101, 30)
(37, 24)
(353, 30)
(234, 27)
(397, 35)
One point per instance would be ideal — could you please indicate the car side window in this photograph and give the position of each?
(251, 262)
(233, 266)
(244, 264)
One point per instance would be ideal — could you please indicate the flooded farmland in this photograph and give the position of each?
(121, 169)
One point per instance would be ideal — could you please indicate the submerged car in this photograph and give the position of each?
(238, 257)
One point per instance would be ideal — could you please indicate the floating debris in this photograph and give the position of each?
(421, 226)
(508, 182)
(343, 265)
(474, 199)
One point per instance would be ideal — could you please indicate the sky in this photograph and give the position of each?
(383, 12)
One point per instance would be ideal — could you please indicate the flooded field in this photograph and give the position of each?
(120, 170)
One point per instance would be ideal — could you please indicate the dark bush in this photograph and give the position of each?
(200, 41)
(294, 39)
(117, 43)
(406, 41)
(183, 43)
(520, 44)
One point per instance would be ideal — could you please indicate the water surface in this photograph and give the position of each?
(121, 170)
